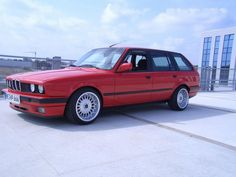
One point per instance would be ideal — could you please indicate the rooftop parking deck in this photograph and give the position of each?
(145, 140)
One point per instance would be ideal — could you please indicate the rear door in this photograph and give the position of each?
(134, 86)
(164, 75)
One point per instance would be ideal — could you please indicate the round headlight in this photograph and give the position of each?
(41, 89)
(32, 87)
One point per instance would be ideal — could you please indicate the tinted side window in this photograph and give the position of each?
(161, 62)
(182, 63)
(139, 62)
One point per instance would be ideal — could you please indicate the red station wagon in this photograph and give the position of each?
(105, 77)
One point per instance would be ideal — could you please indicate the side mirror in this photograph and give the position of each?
(125, 67)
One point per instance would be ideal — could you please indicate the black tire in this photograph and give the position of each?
(173, 102)
(79, 104)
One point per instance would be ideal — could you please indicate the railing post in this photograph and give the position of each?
(206, 84)
(234, 79)
(208, 80)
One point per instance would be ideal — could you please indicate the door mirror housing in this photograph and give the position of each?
(124, 67)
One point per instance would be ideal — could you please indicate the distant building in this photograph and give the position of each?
(41, 65)
(218, 50)
(56, 62)
(15, 63)
(10, 64)
(32, 63)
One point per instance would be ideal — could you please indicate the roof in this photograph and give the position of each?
(143, 48)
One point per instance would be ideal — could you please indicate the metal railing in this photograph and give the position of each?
(211, 79)
(217, 79)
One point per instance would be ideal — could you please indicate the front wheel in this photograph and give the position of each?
(84, 106)
(179, 100)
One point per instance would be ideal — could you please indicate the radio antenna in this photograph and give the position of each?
(116, 43)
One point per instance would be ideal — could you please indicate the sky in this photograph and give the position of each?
(69, 28)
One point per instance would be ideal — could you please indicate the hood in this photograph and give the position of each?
(43, 76)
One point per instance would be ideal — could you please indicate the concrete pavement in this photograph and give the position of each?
(220, 100)
(144, 140)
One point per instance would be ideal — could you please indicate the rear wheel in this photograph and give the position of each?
(179, 100)
(84, 106)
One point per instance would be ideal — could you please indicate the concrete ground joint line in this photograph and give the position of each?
(50, 165)
(214, 107)
(217, 98)
(202, 138)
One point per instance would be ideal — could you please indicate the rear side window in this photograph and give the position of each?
(161, 62)
(182, 63)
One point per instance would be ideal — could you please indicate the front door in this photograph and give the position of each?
(134, 86)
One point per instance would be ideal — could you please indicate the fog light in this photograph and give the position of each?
(41, 110)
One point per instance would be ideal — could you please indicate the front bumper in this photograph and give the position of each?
(40, 106)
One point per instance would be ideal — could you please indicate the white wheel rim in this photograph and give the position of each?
(182, 98)
(87, 106)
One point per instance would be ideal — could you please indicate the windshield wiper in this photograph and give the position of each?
(88, 66)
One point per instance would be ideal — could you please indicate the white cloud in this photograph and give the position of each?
(40, 27)
(37, 6)
(2, 6)
(179, 29)
(109, 15)
(40, 15)
(189, 18)
(170, 43)
(44, 28)
(114, 11)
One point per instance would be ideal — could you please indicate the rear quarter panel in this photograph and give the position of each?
(190, 79)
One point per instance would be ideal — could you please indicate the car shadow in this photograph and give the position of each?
(160, 113)
(128, 116)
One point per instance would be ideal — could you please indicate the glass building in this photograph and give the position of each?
(218, 54)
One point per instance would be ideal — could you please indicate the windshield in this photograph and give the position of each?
(104, 58)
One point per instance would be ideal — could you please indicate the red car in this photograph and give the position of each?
(102, 78)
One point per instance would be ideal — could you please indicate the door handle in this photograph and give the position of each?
(174, 76)
(148, 77)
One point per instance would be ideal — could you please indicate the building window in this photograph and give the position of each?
(227, 50)
(205, 62)
(216, 51)
(215, 58)
(226, 57)
(206, 51)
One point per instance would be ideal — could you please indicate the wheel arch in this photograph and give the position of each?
(183, 85)
(85, 87)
